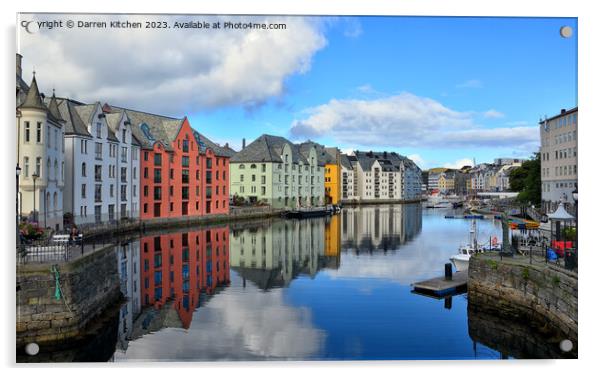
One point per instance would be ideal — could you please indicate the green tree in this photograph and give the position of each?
(527, 180)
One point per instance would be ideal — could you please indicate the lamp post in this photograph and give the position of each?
(575, 197)
(18, 172)
(34, 177)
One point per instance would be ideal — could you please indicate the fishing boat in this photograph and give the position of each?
(462, 259)
(437, 202)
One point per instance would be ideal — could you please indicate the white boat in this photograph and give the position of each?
(437, 201)
(462, 259)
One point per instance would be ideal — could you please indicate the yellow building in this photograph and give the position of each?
(446, 182)
(332, 176)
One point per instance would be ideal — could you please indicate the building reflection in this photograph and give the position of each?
(332, 241)
(379, 228)
(165, 277)
(270, 254)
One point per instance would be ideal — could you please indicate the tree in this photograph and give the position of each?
(526, 180)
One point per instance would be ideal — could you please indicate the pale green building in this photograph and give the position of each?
(279, 173)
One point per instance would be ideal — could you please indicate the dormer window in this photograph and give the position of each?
(99, 130)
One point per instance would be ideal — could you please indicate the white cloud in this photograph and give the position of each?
(459, 163)
(470, 84)
(241, 326)
(404, 120)
(172, 70)
(493, 114)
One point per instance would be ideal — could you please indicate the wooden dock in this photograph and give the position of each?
(441, 287)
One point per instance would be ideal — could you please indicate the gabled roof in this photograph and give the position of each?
(73, 123)
(268, 148)
(345, 162)
(86, 112)
(323, 156)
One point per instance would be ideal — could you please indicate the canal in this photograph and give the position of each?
(336, 288)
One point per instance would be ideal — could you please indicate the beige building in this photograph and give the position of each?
(558, 158)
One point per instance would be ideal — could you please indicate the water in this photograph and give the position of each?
(336, 288)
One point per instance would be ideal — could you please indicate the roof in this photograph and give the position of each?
(323, 156)
(33, 99)
(268, 148)
(54, 108)
(203, 141)
(345, 162)
(560, 214)
(73, 122)
(561, 114)
(149, 128)
(86, 111)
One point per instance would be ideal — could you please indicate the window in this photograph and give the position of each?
(185, 178)
(98, 150)
(111, 190)
(83, 191)
(184, 193)
(145, 192)
(39, 133)
(185, 146)
(134, 174)
(98, 130)
(157, 193)
(208, 176)
(27, 130)
(48, 138)
(98, 193)
(157, 175)
(26, 169)
(157, 159)
(38, 165)
(185, 161)
(242, 178)
(98, 173)
(124, 154)
(124, 173)
(209, 162)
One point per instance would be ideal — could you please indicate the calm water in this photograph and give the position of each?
(325, 288)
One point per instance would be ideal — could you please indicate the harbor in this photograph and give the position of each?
(386, 264)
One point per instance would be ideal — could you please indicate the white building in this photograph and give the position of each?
(348, 182)
(383, 176)
(40, 155)
(558, 158)
(101, 169)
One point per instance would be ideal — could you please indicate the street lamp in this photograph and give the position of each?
(575, 197)
(18, 172)
(34, 177)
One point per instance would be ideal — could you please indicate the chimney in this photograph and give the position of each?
(19, 69)
(563, 111)
(226, 145)
(244, 143)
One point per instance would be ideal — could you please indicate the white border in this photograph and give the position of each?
(589, 66)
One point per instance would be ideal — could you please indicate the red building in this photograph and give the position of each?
(182, 173)
(183, 269)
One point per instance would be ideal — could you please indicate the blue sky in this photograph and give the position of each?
(517, 68)
(442, 90)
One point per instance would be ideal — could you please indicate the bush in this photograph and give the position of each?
(31, 231)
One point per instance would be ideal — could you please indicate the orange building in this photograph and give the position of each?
(182, 172)
(182, 268)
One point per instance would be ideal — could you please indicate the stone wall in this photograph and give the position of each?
(542, 295)
(89, 285)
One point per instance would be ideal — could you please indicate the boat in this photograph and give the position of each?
(309, 212)
(437, 202)
(462, 259)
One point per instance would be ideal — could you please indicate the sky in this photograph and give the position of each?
(441, 90)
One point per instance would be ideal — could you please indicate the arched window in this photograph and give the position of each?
(84, 169)
(48, 168)
(55, 200)
(56, 170)
(241, 166)
(253, 165)
(47, 202)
